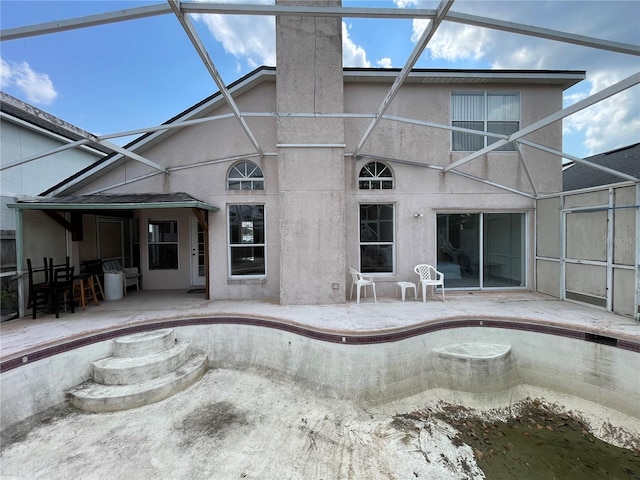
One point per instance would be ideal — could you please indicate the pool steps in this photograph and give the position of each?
(145, 368)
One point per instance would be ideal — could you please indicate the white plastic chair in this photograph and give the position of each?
(362, 281)
(429, 276)
(130, 275)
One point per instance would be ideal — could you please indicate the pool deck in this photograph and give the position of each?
(387, 316)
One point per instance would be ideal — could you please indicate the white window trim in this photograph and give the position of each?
(245, 179)
(377, 178)
(485, 119)
(230, 246)
(177, 242)
(393, 243)
(529, 267)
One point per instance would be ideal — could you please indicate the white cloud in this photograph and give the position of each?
(458, 42)
(611, 123)
(352, 54)
(37, 87)
(384, 63)
(252, 39)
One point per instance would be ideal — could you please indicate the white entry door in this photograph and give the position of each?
(198, 269)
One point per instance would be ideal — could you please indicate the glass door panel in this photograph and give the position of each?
(458, 249)
(503, 254)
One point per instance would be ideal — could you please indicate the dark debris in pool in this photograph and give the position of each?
(538, 440)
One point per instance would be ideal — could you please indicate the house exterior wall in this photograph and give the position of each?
(310, 159)
(50, 242)
(431, 103)
(298, 179)
(311, 197)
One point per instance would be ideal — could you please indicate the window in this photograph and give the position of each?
(493, 112)
(375, 176)
(245, 176)
(163, 244)
(376, 238)
(246, 240)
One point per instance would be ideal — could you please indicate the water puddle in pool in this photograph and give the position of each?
(540, 442)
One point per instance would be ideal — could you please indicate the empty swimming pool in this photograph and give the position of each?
(332, 394)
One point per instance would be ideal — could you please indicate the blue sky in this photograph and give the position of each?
(118, 77)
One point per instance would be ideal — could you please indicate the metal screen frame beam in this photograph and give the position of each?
(546, 33)
(426, 36)
(582, 161)
(559, 115)
(84, 22)
(208, 63)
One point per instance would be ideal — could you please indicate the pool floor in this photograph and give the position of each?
(244, 424)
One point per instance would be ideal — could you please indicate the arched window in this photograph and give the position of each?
(375, 176)
(245, 176)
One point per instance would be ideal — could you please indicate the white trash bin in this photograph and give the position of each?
(113, 286)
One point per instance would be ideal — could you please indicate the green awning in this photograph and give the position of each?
(116, 201)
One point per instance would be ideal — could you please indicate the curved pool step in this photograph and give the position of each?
(130, 370)
(97, 398)
(144, 343)
(146, 367)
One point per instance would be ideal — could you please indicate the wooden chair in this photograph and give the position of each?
(94, 267)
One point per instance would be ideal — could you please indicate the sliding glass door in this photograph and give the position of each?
(482, 250)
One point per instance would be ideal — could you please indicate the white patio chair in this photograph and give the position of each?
(429, 276)
(362, 281)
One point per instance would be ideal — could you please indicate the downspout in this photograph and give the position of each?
(563, 250)
(22, 303)
(610, 240)
(637, 267)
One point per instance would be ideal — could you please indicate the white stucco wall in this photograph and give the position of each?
(210, 149)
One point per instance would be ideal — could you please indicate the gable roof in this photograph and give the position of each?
(626, 160)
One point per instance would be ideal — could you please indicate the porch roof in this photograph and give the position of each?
(117, 201)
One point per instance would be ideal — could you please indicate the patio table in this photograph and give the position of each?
(404, 286)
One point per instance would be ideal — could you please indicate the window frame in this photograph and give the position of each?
(245, 179)
(485, 120)
(392, 243)
(176, 242)
(376, 177)
(231, 246)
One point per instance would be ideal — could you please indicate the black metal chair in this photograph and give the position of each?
(62, 288)
(40, 287)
